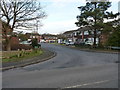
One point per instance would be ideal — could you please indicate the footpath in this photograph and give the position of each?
(43, 57)
(91, 50)
(96, 50)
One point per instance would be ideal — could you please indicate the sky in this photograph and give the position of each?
(61, 15)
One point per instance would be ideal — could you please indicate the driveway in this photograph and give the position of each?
(69, 69)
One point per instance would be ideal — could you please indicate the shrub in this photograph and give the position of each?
(34, 42)
(114, 39)
(21, 46)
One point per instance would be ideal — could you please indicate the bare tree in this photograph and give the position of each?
(17, 12)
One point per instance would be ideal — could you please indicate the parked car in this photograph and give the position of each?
(89, 43)
(69, 43)
(43, 41)
(25, 42)
(116, 48)
(80, 43)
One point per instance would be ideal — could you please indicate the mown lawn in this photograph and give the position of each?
(14, 56)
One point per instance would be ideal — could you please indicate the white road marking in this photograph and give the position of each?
(86, 84)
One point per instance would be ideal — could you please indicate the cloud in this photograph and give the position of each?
(62, 3)
(58, 26)
(71, 1)
(62, 13)
(65, 1)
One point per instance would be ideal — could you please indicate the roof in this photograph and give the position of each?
(49, 35)
(79, 29)
(33, 34)
(86, 28)
(68, 32)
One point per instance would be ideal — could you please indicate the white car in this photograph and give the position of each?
(25, 42)
(89, 43)
(69, 43)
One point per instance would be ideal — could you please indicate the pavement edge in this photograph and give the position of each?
(30, 63)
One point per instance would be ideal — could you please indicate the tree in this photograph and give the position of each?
(35, 43)
(93, 14)
(22, 37)
(114, 39)
(5, 29)
(19, 13)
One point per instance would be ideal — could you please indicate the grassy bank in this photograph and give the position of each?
(14, 56)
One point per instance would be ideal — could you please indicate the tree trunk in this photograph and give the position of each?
(8, 44)
(8, 47)
(94, 45)
(94, 38)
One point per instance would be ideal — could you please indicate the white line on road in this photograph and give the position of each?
(86, 84)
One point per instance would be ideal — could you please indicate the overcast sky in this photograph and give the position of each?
(62, 15)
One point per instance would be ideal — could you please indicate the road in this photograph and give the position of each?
(69, 69)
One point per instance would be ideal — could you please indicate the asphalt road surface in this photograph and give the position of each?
(69, 69)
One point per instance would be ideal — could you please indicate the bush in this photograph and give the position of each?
(21, 46)
(34, 42)
(114, 38)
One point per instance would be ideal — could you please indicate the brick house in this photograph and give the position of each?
(70, 35)
(80, 35)
(49, 38)
(33, 35)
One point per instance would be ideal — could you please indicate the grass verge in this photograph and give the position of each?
(15, 58)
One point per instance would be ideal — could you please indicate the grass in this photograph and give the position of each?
(14, 56)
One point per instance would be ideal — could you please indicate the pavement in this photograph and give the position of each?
(43, 57)
(92, 50)
(71, 68)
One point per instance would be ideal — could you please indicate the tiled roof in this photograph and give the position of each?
(79, 29)
(49, 35)
(86, 28)
(71, 31)
(33, 34)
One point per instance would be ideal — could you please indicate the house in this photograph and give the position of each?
(33, 35)
(87, 34)
(70, 35)
(81, 35)
(49, 38)
(61, 39)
